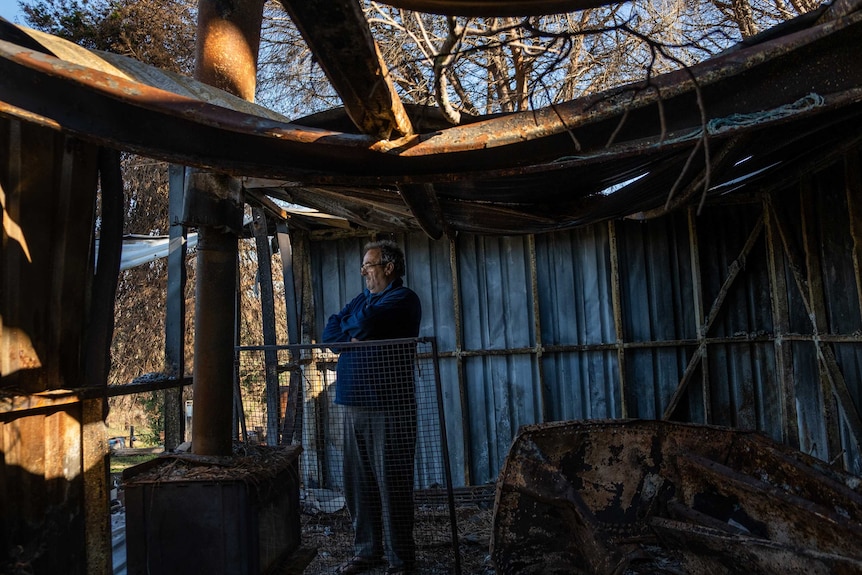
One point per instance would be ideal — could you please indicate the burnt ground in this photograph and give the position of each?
(329, 537)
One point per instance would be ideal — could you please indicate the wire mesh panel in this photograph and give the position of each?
(373, 443)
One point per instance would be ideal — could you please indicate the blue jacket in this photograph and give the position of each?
(376, 376)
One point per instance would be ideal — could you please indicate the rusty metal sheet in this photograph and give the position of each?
(43, 497)
(606, 497)
(47, 181)
(506, 143)
(550, 167)
(132, 70)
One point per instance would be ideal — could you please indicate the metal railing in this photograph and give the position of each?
(287, 395)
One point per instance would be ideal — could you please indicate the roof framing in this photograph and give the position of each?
(338, 34)
(639, 150)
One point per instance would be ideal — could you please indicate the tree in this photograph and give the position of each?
(489, 65)
(492, 65)
(159, 33)
(289, 79)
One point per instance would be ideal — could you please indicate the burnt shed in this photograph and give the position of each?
(686, 249)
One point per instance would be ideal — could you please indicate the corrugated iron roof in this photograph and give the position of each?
(763, 111)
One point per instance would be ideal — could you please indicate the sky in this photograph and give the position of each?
(9, 10)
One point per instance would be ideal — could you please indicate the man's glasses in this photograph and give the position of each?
(364, 267)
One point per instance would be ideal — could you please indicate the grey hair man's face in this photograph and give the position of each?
(377, 273)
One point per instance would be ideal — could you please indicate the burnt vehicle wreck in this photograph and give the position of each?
(613, 497)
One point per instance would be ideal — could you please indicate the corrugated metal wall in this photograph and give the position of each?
(53, 451)
(744, 305)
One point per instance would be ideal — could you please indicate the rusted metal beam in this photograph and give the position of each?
(422, 201)
(175, 309)
(455, 273)
(259, 199)
(267, 304)
(497, 7)
(217, 203)
(97, 507)
(754, 337)
(537, 327)
(340, 38)
(291, 421)
(619, 328)
(101, 325)
(840, 8)
(367, 207)
(12, 406)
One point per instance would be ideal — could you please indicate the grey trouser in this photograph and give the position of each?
(379, 449)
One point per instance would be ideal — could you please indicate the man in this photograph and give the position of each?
(375, 385)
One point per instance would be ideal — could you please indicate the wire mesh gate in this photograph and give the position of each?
(286, 395)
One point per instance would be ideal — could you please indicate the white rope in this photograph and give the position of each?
(734, 121)
(804, 104)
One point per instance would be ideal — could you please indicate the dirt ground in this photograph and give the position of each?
(331, 536)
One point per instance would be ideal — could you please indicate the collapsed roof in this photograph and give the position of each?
(758, 115)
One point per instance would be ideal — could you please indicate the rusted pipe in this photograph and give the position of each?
(228, 38)
(214, 341)
(226, 57)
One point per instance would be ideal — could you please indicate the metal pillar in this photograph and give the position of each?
(228, 38)
(214, 341)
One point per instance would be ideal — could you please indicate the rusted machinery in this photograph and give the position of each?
(614, 497)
